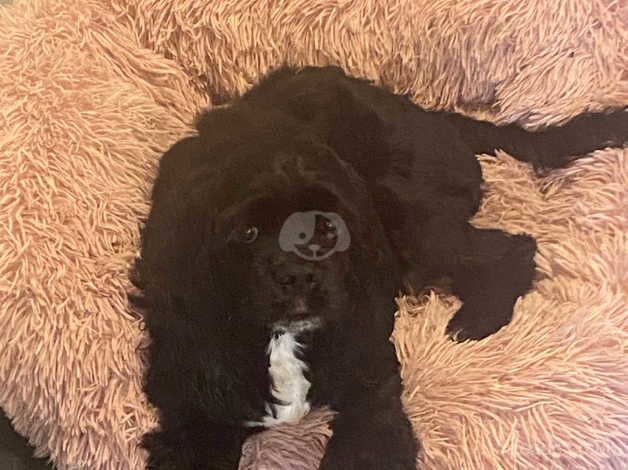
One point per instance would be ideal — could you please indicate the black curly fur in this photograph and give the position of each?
(406, 182)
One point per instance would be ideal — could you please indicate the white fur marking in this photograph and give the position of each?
(289, 386)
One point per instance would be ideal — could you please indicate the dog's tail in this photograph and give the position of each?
(550, 147)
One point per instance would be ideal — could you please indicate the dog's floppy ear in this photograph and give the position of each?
(178, 226)
(176, 164)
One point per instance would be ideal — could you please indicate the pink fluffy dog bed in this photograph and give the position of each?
(91, 92)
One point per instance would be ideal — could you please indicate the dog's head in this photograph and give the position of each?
(288, 250)
(262, 228)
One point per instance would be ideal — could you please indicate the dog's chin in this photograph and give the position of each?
(290, 316)
(295, 316)
(298, 323)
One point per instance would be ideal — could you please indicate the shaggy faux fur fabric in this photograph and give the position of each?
(84, 114)
(535, 62)
(92, 92)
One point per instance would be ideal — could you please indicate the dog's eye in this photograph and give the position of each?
(249, 234)
(244, 234)
(327, 228)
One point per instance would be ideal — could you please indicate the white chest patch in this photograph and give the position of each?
(289, 387)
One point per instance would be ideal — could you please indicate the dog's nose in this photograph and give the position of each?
(314, 247)
(287, 279)
(295, 278)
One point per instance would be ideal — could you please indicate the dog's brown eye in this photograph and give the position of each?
(326, 225)
(247, 234)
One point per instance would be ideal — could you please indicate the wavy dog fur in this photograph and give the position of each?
(406, 182)
(89, 103)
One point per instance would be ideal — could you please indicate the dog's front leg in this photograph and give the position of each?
(195, 444)
(371, 430)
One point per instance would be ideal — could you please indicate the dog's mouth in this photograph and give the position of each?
(298, 309)
(299, 306)
(307, 305)
(297, 325)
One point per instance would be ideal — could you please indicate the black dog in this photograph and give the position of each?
(277, 240)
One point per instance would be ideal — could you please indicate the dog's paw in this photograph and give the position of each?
(362, 446)
(474, 322)
(372, 457)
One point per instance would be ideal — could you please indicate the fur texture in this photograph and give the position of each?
(216, 285)
(86, 111)
(315, 139)
(289, 385)
(536, 64)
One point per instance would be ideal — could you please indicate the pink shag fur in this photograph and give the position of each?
(91, 92)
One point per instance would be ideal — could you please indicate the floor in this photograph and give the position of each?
(15, 453)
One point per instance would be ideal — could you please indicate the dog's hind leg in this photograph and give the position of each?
(489, 270)
(549, 147)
